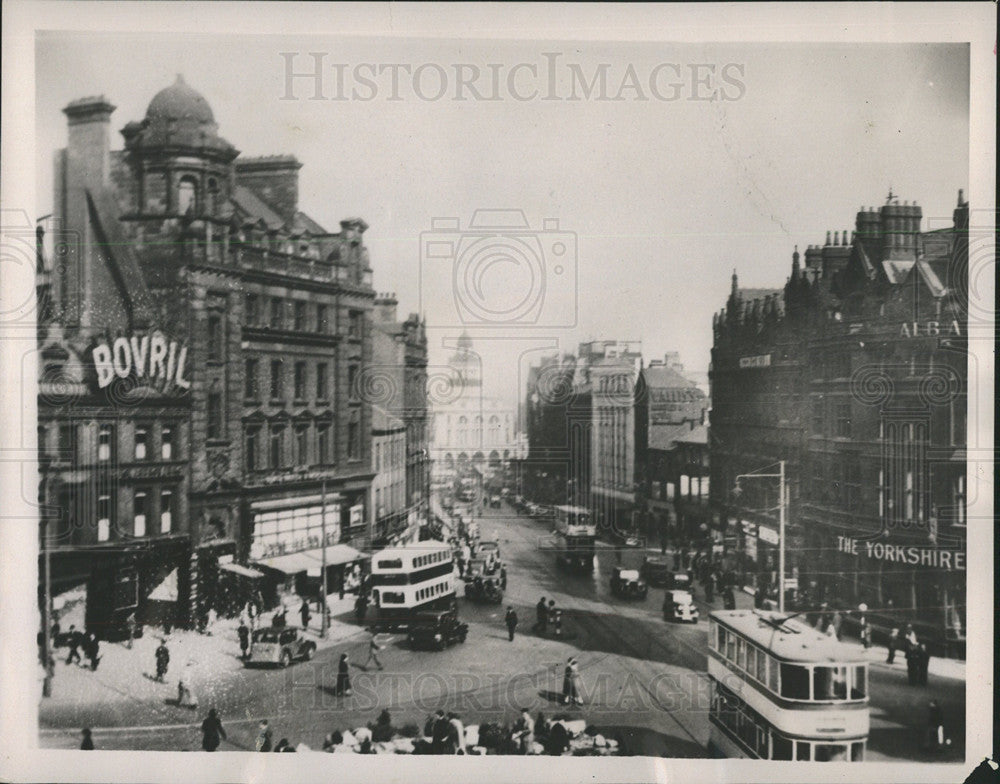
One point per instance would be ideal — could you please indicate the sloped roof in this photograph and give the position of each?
(249, 203)
(383, 420)
(931, 279)
(304, 223)
(665, 436)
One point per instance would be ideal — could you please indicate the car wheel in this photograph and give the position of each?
(441, 645)
(309, 652)
(286, 659)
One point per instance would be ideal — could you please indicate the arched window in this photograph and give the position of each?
(212, 196)
(187, 196)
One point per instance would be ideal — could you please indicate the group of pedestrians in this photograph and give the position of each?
(546, 615)
(90, 645)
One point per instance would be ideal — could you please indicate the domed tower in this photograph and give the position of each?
(466, 362)
(182, 168)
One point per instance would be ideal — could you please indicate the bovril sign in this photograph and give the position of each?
(153, 358)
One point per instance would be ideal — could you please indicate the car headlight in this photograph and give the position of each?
(437, 636)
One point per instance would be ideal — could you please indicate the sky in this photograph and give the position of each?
(637, 210)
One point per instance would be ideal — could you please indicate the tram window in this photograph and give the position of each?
(721, 639)
(751, 660)
(762, 666)
(772, 673)
(794, 682)
(731, 647)
(802, 751)
(830, 752)
(859, 682)
(741, 653)
(858, 752)
(830, 683)
(781, 748)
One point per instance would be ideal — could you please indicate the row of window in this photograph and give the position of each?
(150, 442)
(310, 443)
(392, 454)
(761, 740)
(801, 682)
(152, 513)
(321, 380)
(296, 315)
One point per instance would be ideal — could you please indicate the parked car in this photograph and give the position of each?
(680, 579)
(495, 501)
(656, 570)
(628, 583)
(280, 646)
(489, 549)
(485, 589)
(436, 630)
(679, 606)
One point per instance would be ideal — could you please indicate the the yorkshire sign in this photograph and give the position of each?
(932, 557)
(153, 358)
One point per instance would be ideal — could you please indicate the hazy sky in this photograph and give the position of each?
(661, 198)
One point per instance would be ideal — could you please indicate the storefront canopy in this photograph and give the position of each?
(312, 560)
(242, 571)
(336, 555)
(293, 563)
(166, 591)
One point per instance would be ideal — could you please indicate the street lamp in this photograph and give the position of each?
(782, 489)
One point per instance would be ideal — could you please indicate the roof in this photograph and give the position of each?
(663, 377)
(180, 102)
(747, 295)
(383, 420)
(249, 203)
(793, 640)
(665, 436)
(697, 436)
(294, 563)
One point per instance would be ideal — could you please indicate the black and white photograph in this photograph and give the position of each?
(605, 383)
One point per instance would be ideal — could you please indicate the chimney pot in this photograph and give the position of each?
(828, 238)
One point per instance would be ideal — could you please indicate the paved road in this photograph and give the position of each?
(638, 672)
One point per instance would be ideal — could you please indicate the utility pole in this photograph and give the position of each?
(47, 612)
(782, 502)
(324, 612)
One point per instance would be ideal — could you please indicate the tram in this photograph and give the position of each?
(576, 536)
(781, 690)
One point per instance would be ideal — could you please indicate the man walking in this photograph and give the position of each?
(212, 733)
(511, 620)
(892, 645)
(75, 640)
(264, 736)
(244, 634)
(306, 614)
(373, 649)
(162, 660)
(93, 650)
(361, 606)
(541, 616)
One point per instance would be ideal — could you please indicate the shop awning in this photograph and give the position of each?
(293, 563)
(242, 571)
(335, 555)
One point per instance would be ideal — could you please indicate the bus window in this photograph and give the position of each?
(391, 563)
(731, 647)
(802, 751)
(772, 673)
(794, 682)
(781, 747)
(741, 653)
(762, 658)
(830, 752)
(721, 646)
(751, 660)
(858, 751)
(830, 683)
(392, 597)
(712, 635)
(859, 682)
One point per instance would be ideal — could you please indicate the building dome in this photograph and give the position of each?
(180, 102)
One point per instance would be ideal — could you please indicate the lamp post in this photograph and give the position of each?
(782, 502)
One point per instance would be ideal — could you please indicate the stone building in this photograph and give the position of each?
(272, 312)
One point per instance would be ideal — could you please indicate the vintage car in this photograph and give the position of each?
(280, 646)
(680, 579)
(485, 589)
(678, 605)
(628, 583)
(656, 570)
(436, 629)
(489, 550)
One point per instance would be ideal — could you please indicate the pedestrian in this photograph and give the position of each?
(913, 665)
(710, 588)
(439, 733)
(283, 745)
(361, 606)
(758, 598)
(373, 649)
(344, 677)
(263, 740)
(75, 640)
(244, 634)
(866, 633)
(252, 613)
(837, 620)
(923, 662)
(892, 645)
(511, 620)
(524, 732)
(93, 650)
(130, 626)
(729, 598)
(456, 735)
(162, 660)
(830, 630)
(306, 614)
(185, 688)
(571, 674)
(911, 636)
(541, 615)
(557, 740)
(934, 738)
(87, 742)
(503, 577)
(212, 733)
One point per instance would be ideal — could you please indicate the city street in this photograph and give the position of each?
(642, 678)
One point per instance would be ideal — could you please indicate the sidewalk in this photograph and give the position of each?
(127, 675)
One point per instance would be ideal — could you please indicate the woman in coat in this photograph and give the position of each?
(343, 676)
(212, 732)
(571, 678)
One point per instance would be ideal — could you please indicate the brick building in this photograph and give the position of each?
(867, 352)
(211, 253)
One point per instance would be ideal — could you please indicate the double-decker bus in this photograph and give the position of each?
(780, 690)
(411, 579)
(575, 537)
